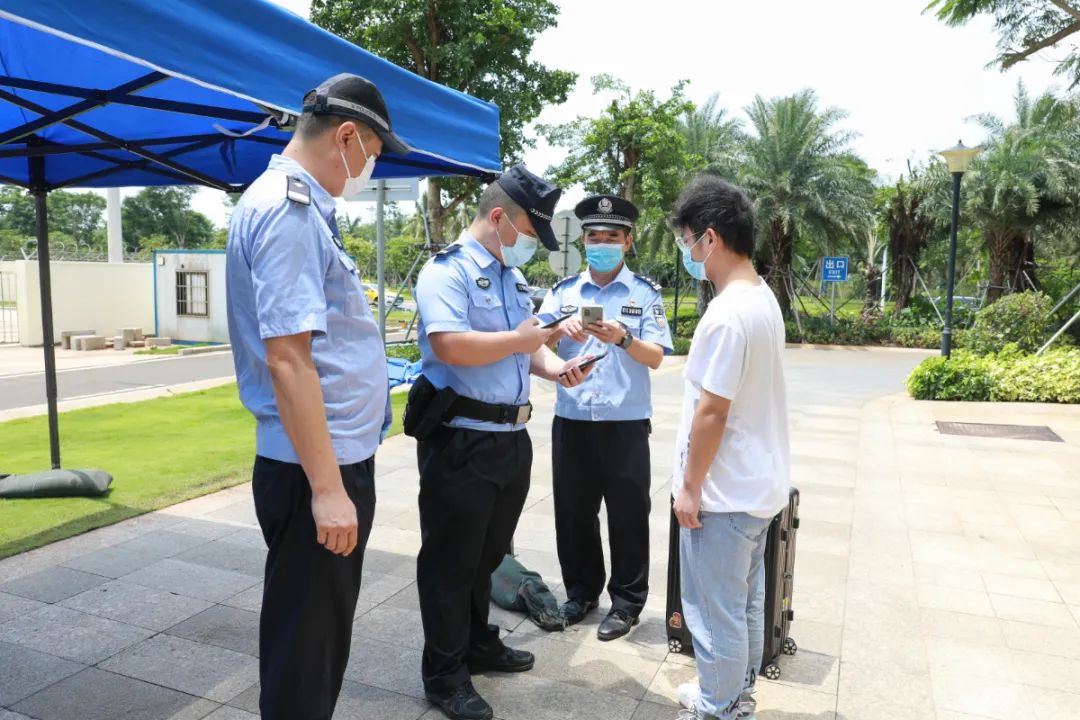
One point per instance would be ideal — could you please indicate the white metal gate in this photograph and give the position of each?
(9, 317)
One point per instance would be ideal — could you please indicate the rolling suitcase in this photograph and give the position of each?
(779, 584)
(679, 638)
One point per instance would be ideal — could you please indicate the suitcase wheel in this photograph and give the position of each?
(789, 647)
(772, 671)
(674, 645)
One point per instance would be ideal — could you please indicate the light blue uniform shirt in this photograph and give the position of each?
(464, 288)
(287, 273)
(618, 388)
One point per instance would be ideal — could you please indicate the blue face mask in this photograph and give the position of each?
(521, 252)
(604, 257)
(696, 268)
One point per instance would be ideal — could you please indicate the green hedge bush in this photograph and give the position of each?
(1020, 318)
(854, 331)
(961, 377)
(1010, 376)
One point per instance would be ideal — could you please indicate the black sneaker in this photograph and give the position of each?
(462, 703)
(574, 612)
(508, 660)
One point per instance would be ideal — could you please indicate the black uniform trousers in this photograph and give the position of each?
(602, 460)
(309, 596)
(473, 485)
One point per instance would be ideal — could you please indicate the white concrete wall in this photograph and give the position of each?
(214, 327)
(102, 297)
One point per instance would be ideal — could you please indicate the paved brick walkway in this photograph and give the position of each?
(937, 577)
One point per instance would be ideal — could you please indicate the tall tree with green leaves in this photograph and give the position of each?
(633, 148)
(804, 180)
(480, 47)
(79, 215)
(163, 217)
(1025, 28)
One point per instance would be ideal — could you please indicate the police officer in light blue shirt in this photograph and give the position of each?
(600, 435)
(479, 342)
(310, 367)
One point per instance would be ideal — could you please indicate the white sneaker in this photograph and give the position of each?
(689, 694)
(747, 706)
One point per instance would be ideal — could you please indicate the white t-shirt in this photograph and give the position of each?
(736, 353)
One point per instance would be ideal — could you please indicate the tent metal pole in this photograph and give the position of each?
(41, 217)
(380, 243)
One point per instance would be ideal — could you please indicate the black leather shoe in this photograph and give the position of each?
(615, 625)
(462, 703)
(574, 612)
(508, 661)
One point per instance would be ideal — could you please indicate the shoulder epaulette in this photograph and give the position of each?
(564, 281)
(297, 190)
(448, 250)
(650, 282)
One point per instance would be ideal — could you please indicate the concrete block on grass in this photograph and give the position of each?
(158, 342)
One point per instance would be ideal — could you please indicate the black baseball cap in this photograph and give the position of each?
(606, 212)
(358, 99)
(537, 197)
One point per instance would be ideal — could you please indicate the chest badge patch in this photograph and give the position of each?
(483, 283)
(567, 309)
(631, 311)
(522, 287)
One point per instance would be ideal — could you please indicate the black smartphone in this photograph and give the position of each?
(588, 362)
(556, 321)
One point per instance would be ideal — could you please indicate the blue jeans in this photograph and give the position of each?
(723, 594)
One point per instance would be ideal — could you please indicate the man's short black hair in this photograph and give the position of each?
(709, 201)
(494, 196)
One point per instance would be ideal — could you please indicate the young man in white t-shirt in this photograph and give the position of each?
(732, 457)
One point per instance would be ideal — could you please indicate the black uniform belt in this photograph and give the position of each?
(487, 412)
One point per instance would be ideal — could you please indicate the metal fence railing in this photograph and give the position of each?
(9, 316)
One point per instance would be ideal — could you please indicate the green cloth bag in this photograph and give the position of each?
(515, 588)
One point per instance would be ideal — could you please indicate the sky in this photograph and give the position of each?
(908, 82)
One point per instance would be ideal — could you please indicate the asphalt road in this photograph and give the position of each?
(28, 390)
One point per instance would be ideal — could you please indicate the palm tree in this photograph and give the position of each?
(1027, 176)
(909, 225)
(713, 137)
(713, 141)
(803, 179)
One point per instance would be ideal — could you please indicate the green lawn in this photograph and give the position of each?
(159, 452)
(170, 350)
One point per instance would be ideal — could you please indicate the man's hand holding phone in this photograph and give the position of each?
(575, 371)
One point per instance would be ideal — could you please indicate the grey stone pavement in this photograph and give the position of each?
(936, 577)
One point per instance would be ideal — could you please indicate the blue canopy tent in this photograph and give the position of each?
(143, 92)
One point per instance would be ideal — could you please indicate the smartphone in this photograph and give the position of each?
(591, 314)
(589, 362)
(556, 321)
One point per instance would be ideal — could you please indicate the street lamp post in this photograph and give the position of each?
(958, 160)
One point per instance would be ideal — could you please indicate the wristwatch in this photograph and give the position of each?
(627, 340)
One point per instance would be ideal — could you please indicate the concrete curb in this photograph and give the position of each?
(205, 350)
(858, 348)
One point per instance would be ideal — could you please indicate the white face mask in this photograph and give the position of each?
(356, 185)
